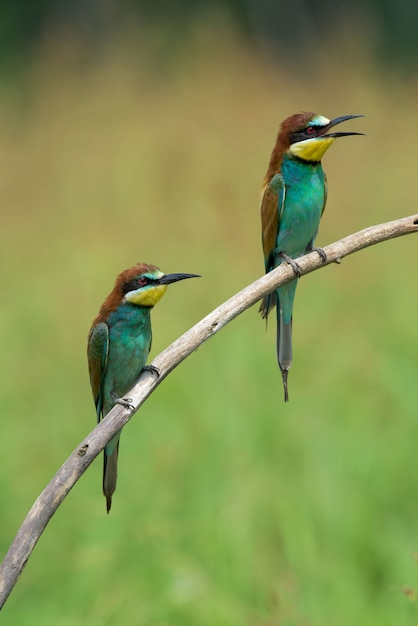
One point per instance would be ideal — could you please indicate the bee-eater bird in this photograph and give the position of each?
(118, 345)
(292, 202)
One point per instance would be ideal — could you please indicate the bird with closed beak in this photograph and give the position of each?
(118, 345)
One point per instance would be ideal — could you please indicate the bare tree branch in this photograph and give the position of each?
(58, 488)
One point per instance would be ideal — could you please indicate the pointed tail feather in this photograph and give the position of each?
(284, 377)
(284, 348)
(110, 472)
(267, 304)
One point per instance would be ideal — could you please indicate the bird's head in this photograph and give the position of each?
(145, 285)
(307, 136)
(141, 285)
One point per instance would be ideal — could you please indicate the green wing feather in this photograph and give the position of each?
(272, 204)
(98, 355)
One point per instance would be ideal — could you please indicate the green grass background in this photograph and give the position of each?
(231, 508)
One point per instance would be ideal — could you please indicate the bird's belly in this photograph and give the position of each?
(127, 358)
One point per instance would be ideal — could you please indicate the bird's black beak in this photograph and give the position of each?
(338, 120)
(167, 279)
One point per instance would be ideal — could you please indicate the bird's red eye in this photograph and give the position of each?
(310, 130)
(142, 281)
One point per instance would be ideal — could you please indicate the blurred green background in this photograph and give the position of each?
(130, 134)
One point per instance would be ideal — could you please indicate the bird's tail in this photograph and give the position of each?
(110, 470)
(284, 348)
(283, 300)
(284, 309)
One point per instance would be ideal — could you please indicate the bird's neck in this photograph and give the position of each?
(129, 314)
(297, 171)
(289, 166)
(280, 160)
(290, 157)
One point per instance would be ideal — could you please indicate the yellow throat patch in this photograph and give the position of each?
(311, 149)
(146, 297)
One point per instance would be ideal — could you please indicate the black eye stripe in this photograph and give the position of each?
(130, 286)
(136, 283)
(305, 133)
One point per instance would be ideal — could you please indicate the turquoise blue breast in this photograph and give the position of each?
(304, 201)
(129, 346)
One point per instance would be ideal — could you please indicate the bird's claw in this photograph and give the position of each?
(126, 402)
(153, 369)
(321, 253)
(295, 266)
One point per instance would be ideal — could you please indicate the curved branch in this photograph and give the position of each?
(68, 474)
